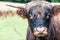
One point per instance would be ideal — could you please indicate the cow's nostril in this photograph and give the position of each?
(36, 29)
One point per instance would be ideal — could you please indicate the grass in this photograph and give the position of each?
(13, 28)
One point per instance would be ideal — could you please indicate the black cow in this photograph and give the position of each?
(39, 14)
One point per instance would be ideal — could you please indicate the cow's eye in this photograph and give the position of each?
(47, 16)
(31, 17)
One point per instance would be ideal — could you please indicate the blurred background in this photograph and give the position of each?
(14, 27)
(25, 1)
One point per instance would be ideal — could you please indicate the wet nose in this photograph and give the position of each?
(40, 31)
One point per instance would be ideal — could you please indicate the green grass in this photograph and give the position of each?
(13, 28)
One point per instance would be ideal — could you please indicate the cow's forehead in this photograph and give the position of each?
(38, 9)
(34, 3)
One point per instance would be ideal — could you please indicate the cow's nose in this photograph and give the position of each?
(39, 31)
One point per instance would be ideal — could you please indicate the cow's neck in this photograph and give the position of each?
(56, 21)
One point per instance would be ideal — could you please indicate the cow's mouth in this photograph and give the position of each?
(41, 33)
(37, 34)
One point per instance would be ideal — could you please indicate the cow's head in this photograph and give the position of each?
(38, 14)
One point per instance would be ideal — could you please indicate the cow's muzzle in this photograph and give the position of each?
(40, 31)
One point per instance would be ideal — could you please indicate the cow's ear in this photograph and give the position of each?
(22, 12)
(56, 10)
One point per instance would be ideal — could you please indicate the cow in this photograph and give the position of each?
(39, 15)
(56, 20)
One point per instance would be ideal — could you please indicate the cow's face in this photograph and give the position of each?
(39, 18)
